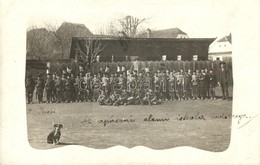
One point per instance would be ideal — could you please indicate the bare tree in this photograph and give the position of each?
(129, 25)
(60, 43)
(39, 43)
(91, 49)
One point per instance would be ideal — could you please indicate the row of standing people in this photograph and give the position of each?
(166, 85)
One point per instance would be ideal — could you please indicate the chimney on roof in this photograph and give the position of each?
(149, 33)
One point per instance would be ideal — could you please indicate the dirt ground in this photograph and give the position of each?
(203, 124)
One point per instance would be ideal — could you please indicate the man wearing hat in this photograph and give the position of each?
(223, 80)
(68, 88)
(39, 88)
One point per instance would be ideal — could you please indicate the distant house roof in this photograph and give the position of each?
(167, 33)
(226, 38)
(76, 29)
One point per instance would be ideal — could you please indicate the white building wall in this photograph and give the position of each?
(182, 36)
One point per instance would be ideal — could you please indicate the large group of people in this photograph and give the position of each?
(127, 87)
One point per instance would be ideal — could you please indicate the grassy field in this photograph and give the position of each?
(206, 125)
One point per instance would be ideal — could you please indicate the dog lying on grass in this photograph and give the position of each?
(54, 136)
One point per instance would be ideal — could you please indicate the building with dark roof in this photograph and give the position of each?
(68, 30)
(145, 48)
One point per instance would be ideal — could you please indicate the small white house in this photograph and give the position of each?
(221, 48)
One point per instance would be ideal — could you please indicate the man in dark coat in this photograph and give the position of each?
(53, 96)
(223, 80)
(30, 85)
(212, 84)
(69, 85)
(59, 89)
(49, 85)
(39, 88)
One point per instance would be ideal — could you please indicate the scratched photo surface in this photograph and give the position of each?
(128, 83)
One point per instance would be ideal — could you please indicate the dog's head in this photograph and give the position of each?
(57, 127)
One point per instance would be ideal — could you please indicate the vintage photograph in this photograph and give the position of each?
(130, 80)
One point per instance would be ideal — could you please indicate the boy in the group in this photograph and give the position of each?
(148, 80)
(111, 83)
(163, 86)
(206, 84)
(171, 87)
(81, 88)
(101, 98)
(149, 97)
(95, 86)
(115, 98)
(105, 83)
(131, 98)
(122, 81)
(156, 85)
(187, 85)
(76, 89)
(212, 84)
(138, 98)
(198, 82)
(88, 87)
(140, 80)
(124, 97)
(202, 84)
(73, 94)
(179, 85)
(194, 83)
(131, 83)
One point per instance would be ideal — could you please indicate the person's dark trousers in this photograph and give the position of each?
(58, 96)
(49, 95)
(188, 92)
(212, 91)
(54, 95)
(73, 94)
(87, 95)
(64, 95)
(171, 95)
(81, 96)
(76, 95)
(39, 95)
(202, 91)
(207, 93)
(224, 88)
(195, 91)
(68, 95)
(180, 92)
(29, 96)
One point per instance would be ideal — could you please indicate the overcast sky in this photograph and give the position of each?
(201, 18)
